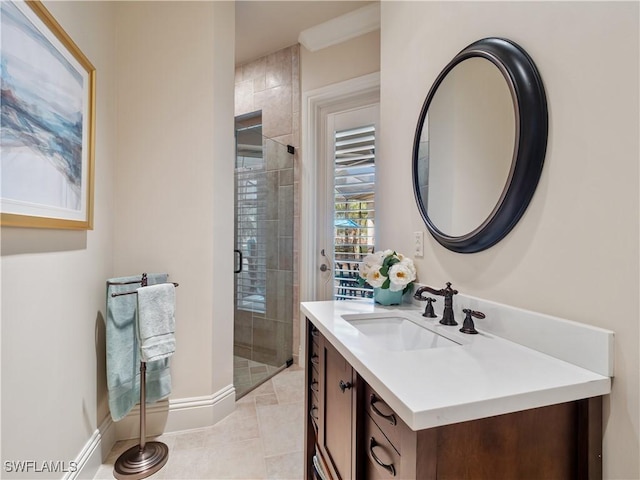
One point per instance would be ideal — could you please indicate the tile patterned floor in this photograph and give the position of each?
(248, 373)
(261, 440)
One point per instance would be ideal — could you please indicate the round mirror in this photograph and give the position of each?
(480, 145)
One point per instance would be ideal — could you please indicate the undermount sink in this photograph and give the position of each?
(396, 332)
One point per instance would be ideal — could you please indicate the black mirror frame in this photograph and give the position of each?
(532, 125)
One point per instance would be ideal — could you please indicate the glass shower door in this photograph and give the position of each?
(263, 322)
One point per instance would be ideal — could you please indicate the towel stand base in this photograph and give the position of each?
(146, 458)
(141, 462)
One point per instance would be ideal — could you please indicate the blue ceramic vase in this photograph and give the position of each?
(384, 296)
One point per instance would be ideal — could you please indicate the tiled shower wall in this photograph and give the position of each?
(271, 85)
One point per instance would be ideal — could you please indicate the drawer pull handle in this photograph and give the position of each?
(314, 385)
(315, 332)
(315, 360)
(313, 408)
(388, 467)
(391, 417)
(345, 386)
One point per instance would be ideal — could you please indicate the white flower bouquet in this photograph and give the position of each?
(388, 270)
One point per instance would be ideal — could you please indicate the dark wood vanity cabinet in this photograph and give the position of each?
(355, 435)
(332, 403)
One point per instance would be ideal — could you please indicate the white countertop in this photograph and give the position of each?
(485, 375)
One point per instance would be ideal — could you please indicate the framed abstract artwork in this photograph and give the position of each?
(47, 122)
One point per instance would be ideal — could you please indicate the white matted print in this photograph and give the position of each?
(47, 122)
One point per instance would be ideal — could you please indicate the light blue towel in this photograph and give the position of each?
(156, 321)
(123, 357)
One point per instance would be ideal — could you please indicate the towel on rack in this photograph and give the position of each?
(156, 321)
(123, 357)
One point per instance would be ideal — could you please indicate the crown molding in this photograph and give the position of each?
(342, 28)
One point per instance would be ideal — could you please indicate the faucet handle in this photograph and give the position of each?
(428, 309)
(467, 325)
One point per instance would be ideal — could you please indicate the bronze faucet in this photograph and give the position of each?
(448, 317)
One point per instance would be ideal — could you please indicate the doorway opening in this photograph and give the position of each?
(339, 109)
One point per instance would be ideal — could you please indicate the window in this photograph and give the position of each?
(354, 208)
(250, 205)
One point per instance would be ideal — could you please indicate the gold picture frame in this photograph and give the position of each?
(48, 122)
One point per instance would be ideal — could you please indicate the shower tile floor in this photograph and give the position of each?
(249, 373)
(261, 440)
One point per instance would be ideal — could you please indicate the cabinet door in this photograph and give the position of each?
(338, 423)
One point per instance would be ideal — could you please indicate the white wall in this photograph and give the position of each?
(164, 156)
(575, 253)
(174, 160)
(353, 58)
(53, 291)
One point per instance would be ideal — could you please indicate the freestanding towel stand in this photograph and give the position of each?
(145, 459)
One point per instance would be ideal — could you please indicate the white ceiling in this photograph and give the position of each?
(266, 26)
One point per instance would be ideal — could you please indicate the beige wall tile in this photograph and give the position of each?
(276, 107)
(278, 71)
(244, 98)
(255, 69)
(259, 84)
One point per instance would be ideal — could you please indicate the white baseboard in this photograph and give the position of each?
(166, 416)
(89, 459)
(197, 412)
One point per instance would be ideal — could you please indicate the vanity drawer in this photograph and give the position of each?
(314, 380)
(314, 376)
(314, 383)
(314, 410)
(314, 357)
(382, 459)
(388, 421)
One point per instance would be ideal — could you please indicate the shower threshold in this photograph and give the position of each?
(249, 374)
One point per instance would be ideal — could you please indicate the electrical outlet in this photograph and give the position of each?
(418, 244)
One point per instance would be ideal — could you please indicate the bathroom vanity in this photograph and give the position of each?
(394, 395)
